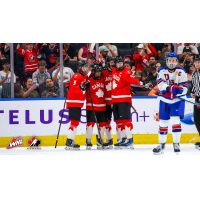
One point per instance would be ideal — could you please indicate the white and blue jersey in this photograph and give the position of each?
(166, 78)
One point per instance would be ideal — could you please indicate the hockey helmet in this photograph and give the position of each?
(174, 64)
(118, 60)
(80, 66)
(97, 67)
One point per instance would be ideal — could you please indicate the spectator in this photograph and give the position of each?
(84, 51)
(164, 49)
(69, 53)
(57, 64)
(112, 49)
(181, 53)
(29, 91)
(5, 75)
(5, 50)
(152, 60)
(90, 59)
(142, 58)
(52, 90)
(51, 51)
(67, 75)
(187, 60)
(138, 75)
(41, 74)
(103, 54)
(127, 58)
(190, 68)
(127, 65)
(30, 57)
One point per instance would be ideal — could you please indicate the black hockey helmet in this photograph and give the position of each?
(81, 64)
(97, 67)
(118, 60)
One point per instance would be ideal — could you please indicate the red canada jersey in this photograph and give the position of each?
(30, 58)
(76, 96)
(121, 88)
(108, 80)
(97, 92)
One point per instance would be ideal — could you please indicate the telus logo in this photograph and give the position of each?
(13, 117)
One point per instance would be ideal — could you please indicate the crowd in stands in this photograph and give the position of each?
(37, 66)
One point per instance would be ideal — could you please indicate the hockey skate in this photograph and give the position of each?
(159, 149)
(88, 144)
(71, 145)
(99, 145)
(176, 148)
(109, 144)
(128, 144)
(197, 145)
(119, 143)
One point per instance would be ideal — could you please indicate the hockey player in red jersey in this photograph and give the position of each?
(122, 102)
(107, 74)
(95, 85)
(75, 102)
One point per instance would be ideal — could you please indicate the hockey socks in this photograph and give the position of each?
(72, 129)
(176, 132)
(163, 131)
(108, 130)
(89, 130)
(176, 128)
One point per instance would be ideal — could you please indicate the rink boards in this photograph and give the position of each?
(41, 118)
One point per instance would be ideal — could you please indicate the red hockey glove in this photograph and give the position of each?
(173, 90)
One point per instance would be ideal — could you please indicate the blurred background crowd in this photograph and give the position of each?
(37, 71)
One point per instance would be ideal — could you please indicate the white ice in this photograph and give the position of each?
(186, 149)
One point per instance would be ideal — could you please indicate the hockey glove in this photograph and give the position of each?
(133, 92)
(174, 90)
(85, 85)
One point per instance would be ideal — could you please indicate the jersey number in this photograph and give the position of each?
(166, 76)
(74, 82)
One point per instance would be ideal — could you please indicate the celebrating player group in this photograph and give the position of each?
(107, 90)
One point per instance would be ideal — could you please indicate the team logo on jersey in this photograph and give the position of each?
(31, 58)
(34, 143)
(114, 85)
(108, 87)
(52, 58)
(15, 142)
(100, 93)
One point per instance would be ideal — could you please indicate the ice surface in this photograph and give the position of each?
(186, 149)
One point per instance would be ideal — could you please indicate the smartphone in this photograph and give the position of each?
(34, 83)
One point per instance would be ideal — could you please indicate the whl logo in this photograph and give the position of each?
(16, 142)
(34, 143)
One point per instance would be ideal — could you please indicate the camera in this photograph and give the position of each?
(51, 90)
(165, 46)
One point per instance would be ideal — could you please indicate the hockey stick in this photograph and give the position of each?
(95, 115)
(196, 104)
(61, 120)
(134, 109)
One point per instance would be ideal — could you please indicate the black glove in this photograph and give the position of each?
(85, 85)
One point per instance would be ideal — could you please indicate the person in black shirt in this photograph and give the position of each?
(164, 49)
(196, 94)
(69, 53)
